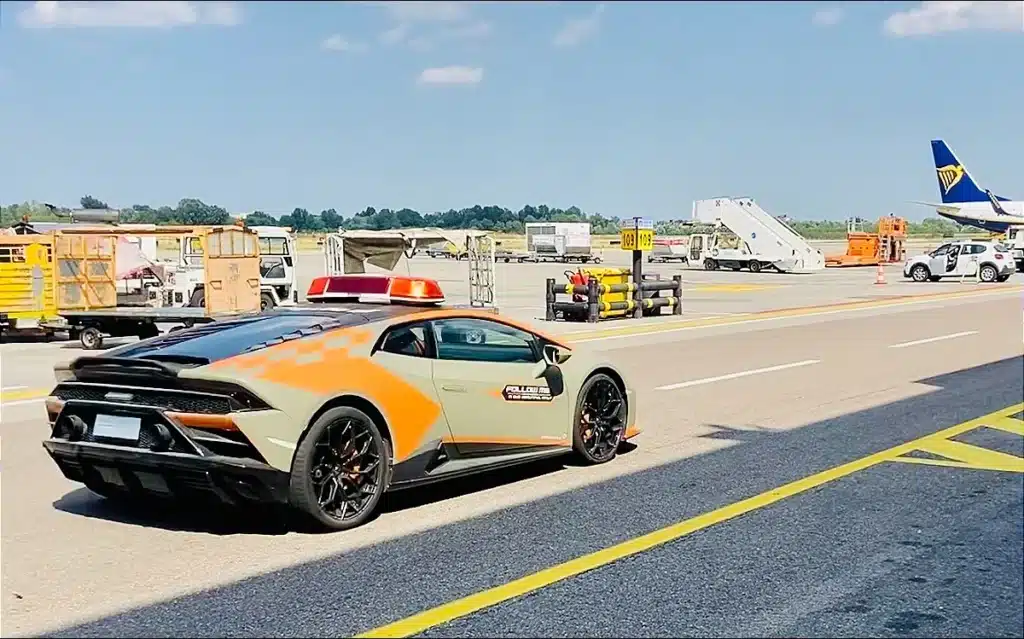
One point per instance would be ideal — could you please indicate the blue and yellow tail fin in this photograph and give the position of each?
(955, 183)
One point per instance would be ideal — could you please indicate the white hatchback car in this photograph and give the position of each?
(986, 260)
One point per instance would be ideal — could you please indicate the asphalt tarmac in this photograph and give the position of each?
(892, 549)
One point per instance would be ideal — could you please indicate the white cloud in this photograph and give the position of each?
(129, 14)
(338, 42)
(426, 11)
(451, 75)
(396, 34)
(828, 17)
(930, 18)
(576, 30)
(441, 20)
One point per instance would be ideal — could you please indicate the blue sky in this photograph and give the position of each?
(817, 110)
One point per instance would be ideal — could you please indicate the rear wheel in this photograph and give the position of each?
(988, 273)
(755, 267)
(91, 338)
(600, 420)
(341, 469)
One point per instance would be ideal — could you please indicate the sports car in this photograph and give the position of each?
(372, 385)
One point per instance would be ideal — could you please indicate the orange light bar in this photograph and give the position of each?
(375, 289)
(415, 289)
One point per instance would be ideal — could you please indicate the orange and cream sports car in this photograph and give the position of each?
(372, 386)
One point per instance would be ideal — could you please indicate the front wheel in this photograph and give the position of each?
(341, 470)
(266, 302)
(600, 420)
(755, 267)
(920, 273)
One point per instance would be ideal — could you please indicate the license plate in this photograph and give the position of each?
(117, 427)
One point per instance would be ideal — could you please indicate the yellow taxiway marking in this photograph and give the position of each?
(956, 454)
(669, 326)
(422, 621)
(22, 394)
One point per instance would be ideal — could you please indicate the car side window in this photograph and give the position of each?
(942, 250)
(410, 339)
(480, 340)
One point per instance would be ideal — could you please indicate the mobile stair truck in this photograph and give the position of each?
(85, 268)
(765, 241)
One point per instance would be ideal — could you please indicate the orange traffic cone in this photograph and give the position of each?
(880, 274)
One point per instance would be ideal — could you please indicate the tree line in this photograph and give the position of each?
(498, 219)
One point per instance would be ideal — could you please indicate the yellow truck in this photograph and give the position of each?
(27, 298)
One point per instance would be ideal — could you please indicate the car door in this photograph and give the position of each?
(405, 351)
(937, 260)
(967, 262)
(485, 373)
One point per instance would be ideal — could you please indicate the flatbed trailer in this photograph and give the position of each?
(90, 327)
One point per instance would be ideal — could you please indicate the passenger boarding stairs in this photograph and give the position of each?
(767, 236)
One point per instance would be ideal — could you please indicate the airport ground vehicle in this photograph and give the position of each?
(87, 274)
(765, 240)
(1015, 242)
(559, 242)
(325, 406)
(887, 245)
(988, 261)
(670, 249)
(277, 266)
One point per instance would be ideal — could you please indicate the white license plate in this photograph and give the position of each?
(117, 427)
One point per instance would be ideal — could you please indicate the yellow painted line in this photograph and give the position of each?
(18, 395)
(763, 316)
(961, 455)
(445, 613)
(1008, 424)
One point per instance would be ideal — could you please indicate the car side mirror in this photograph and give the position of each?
(555, 356)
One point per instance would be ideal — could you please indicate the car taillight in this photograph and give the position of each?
(999, 256)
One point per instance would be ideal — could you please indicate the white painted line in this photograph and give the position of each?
(758, 320)
(933, 339)
(12, 388)
(756, 371)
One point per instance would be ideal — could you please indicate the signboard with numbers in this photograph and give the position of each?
(633, 239)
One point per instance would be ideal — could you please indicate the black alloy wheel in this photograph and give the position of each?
(341, 469)
(600, 420)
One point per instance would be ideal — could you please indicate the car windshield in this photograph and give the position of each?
(220, 340)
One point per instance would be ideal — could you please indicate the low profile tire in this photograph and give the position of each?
(341, 470)
(988, 273)
(920, 273)
(90, 338)
(599, 421)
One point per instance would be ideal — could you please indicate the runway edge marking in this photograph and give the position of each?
(476, 602)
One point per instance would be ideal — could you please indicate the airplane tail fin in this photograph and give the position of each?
(955, 183)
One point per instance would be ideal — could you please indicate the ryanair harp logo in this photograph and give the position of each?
(950, 175)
